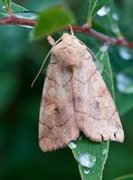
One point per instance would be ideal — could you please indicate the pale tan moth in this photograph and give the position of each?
(75, 98)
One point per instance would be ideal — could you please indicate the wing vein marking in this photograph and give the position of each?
(57, 125)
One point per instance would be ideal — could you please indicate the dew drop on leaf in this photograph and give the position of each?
(80, 138)
(124, 83)
(3, 7)
(103, 11)
(115, 16)
(72, 144)
(86, 160)
(105, 151)
(86, 170)
(124, 53)
(104, 48)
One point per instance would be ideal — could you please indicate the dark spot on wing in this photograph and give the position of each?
(97, 104)
(77, 99)
(57, 110)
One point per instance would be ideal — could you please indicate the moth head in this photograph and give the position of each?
(69, 51)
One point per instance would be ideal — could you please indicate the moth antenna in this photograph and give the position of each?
(99, 63)
(95, 58)
(41, 68)
(51, 41)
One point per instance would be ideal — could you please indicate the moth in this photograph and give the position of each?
(75, 98)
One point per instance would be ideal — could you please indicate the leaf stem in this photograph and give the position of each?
(85, 29)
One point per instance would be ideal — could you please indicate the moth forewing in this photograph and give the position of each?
(75, 98)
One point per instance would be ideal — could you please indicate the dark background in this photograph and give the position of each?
(20, 60)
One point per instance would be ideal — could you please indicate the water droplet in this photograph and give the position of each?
(124, 53)
(115, 16)
(80, 138)
(124, 83)
(60, 32)
(3, 7)
(105, 151)
(104, 48)
(86, 170)
(86, 160)
(115, 28)
(72, 144)
(103, 11)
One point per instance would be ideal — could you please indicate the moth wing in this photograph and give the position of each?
(95, 110)
(57, 119)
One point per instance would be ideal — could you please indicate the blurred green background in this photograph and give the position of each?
(20, 60)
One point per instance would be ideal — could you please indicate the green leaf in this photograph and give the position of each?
(7, 5)
(94, 6)
(9, 89)
(14, 7)
(103, 59)
(124, 102)
(91, 156)
(17, 10)
(112, 19)
(124, 81)
(51, 20)
(7, 2)
(126, 177)
(124, 84)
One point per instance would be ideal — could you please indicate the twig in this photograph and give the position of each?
(85, 29)
(17, 21)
